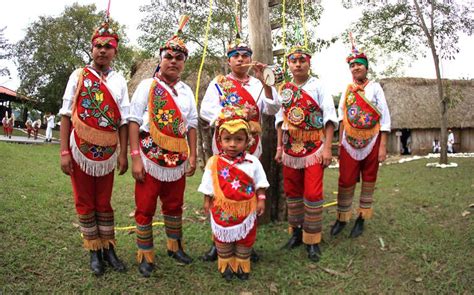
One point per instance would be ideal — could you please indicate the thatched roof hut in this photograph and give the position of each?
(414, 103)
(415, 108)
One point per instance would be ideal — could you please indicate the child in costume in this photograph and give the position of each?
(234, 185)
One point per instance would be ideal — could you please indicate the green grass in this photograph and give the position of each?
(428, 244)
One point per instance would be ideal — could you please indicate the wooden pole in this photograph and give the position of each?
(260, 37)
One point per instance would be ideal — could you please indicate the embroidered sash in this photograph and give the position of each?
(167, 126)
(361, 119)
(95, 116)
(234, 209)
(162, 164)
(233, 93)
(302, 142)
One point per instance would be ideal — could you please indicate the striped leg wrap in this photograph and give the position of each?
(366, 199)
(344, 202)
(242, 258)
(225, 256)
(173, 229)
(145, 243)
(295, 211)
(89, 231)
(313, 219)
(105, 223)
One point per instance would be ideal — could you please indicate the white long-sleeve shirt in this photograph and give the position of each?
(316, 90)
(115, 83)
(184, 100)
(373, 93)
(211, 107)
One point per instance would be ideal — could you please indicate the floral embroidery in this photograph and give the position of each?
(158, 155)
(249, 189)
(95, 152)
(171, 159)
(296, 115)
(165, 116)
(297, 147)
(224, 173)
(235, 184)
(147, 142)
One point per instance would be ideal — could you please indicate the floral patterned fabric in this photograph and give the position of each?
(95, 105)
(92, 151)
(361, 118)
(160, 156)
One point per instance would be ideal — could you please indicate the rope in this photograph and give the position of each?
(208, 26)
(283, 35)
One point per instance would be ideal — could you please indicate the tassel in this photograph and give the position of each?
(172, 245)
(243, 264)
(222, 264)
(92, 135)
(106, 243)
(366, 213)
(311, 239)
(344, 216)
(93, 245)
(174, 144)
(149, 256)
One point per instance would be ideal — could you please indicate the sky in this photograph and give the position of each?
(329, 64)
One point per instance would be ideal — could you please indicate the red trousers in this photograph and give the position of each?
(91, 194)
(146, 193)
(350, 170)
(306, 183)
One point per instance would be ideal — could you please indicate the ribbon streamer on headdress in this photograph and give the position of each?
(107, 12)
(206, 39)
(303, 21)
(283, 34)
(352, 41)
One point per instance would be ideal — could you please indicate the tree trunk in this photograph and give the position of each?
(260, 36)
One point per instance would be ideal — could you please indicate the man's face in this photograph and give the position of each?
(237, 60)
(299, 65)
(359, 71)
(103, 55)
(172, 64)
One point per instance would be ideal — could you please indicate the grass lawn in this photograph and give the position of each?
(428, 244)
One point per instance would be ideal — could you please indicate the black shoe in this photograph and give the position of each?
(97, 265)
(295, 240)
(314, 253)
(145, 268)
(113, 260)
(358, 228)
(210, 255)
(337, 227)
(244, 276)
(180, 255)
(228, 274)
(254, 257)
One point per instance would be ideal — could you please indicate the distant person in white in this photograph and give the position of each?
(450, 141)
(49, 126)
(436, 146)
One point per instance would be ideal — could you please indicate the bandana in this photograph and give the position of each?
(104, 35)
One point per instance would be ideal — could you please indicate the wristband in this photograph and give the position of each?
(134, 153)
(279, 148)
(65, 153)
(261, 197)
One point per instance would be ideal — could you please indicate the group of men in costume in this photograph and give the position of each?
(160, 122)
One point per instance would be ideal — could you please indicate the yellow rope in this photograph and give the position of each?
(134, 227)
(330, 204)
(208, 26)
(283, 37)
(304, 23)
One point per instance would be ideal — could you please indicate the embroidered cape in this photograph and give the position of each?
(233, 93)
(302, 115)
(361, 119)
(233, 213)
(95, 119)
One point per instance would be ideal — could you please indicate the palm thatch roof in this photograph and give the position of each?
(414, 103)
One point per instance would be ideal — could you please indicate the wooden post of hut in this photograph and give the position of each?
(260, 36)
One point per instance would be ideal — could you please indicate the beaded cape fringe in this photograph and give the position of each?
(233, 233)
(90, 167)
(163, 173)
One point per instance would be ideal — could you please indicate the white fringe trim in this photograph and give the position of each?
(257, 153)
(233, 233)
(163, 173)
(302, 162)
(358, 154)
(91, 167)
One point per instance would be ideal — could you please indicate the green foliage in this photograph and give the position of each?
(4, 52)
(53, 47)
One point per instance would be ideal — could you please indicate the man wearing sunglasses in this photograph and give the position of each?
(163, 121)
(239, 88)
